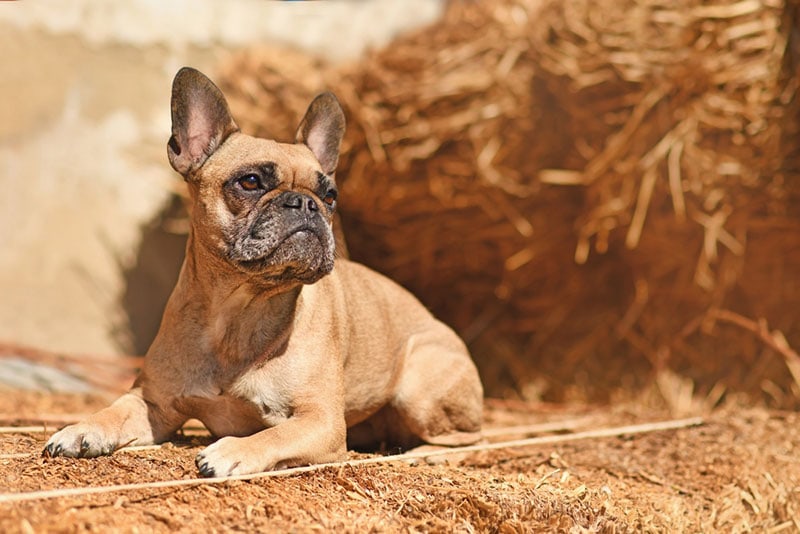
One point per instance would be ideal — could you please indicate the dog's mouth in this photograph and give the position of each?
(302, 254)
(291, 239)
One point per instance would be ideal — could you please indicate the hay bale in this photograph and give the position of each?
(572, 185)
(687, 116)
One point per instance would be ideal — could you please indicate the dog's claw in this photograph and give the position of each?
(84, 448)
(202, 466)
(205, 470)
(51, 450)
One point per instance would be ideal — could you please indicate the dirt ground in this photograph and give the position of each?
(737, 471)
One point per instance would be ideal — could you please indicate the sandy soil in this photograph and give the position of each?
(738, 471)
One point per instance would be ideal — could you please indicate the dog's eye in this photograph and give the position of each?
(249, 182)
(330, 197)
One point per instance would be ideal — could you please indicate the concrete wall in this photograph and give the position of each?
(84, 117)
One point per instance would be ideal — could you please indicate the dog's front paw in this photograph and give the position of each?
(229, 456)
(80, 441)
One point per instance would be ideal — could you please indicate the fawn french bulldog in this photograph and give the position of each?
(283, 353)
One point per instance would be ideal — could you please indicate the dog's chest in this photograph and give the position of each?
(247, 405)
(223, 415)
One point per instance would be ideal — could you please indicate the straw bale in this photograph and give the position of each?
(573, 184)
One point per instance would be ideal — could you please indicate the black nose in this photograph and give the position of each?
(298, 201)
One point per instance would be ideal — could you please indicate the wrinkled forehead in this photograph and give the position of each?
(294, 162)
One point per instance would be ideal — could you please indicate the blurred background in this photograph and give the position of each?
(601, 197)
(84, 120)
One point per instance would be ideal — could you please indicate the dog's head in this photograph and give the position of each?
(264, 207)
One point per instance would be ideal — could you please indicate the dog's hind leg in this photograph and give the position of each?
(439, 395)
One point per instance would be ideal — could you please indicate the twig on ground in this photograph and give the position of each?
(540, 428)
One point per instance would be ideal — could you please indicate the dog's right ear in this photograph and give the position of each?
(201, 121)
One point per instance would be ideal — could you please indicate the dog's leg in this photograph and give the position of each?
(130, 420)
(439, 396)
(311, 437)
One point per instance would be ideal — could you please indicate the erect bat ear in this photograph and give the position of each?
(322, 129)
(201, 121)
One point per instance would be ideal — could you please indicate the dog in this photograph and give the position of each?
(287, 356)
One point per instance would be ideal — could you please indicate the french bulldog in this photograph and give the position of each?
(284, 354)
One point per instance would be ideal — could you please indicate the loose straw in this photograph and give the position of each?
(543, 440)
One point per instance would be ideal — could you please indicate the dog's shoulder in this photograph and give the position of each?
(362, 279)
(370, 296)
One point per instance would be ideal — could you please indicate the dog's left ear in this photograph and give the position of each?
(322, 129)
(201, 120)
